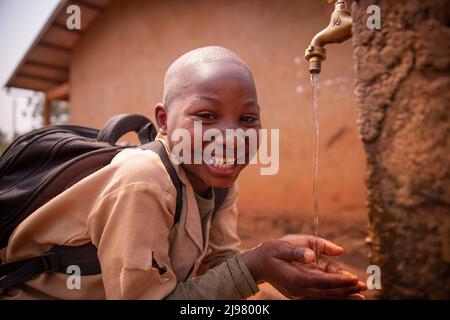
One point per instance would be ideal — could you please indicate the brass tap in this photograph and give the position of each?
(339, 30)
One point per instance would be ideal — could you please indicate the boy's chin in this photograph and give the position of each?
(220, 183)
(220, 177)
(208, 176)
(217, 181)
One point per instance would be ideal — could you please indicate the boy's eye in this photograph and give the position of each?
(249, 119)
(207, 116)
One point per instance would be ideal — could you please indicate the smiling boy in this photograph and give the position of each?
(127, 210)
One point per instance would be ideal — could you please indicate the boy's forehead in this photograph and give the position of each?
(206, 66)
(212, 78)
(210, 74)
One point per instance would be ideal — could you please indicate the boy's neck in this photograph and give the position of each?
(198, 185)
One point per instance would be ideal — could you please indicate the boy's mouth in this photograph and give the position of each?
(222, 166)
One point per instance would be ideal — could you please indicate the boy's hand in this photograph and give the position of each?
(332, 267)
(328, 248)
(287, 265)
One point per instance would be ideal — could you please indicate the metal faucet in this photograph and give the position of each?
(339, 30)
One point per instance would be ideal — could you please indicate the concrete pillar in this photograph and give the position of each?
(59, 92)
(402, 89)
(46, 112)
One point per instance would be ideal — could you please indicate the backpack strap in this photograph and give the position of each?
(147, 133)
(157, 147)
(120, 124)
(57, 259)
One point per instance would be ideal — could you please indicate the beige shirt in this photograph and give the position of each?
(126, 210)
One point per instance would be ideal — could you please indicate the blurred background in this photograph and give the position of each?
(116, 64)
(383, 111)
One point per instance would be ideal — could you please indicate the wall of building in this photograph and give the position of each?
(403, 110)
(118, 66)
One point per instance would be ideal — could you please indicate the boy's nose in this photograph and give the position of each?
(230, 124)
(231, 138)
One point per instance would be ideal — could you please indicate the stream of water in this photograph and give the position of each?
(315, 159)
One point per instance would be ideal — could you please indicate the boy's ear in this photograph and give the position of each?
(161, 118)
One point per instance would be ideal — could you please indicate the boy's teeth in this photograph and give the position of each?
(222, 163)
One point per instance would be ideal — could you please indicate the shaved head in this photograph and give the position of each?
(177, 78)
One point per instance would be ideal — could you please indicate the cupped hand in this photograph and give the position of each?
(288, 265)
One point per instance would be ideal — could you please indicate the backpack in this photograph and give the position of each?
(43, 163)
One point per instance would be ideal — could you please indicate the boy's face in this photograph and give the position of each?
(222, 96)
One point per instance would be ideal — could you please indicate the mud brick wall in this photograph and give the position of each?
(403, 101)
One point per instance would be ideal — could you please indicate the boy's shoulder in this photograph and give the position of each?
(136, 165)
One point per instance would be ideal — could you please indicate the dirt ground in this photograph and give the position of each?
(349, 231)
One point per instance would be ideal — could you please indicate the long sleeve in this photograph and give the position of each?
(130, 227)
(229, 280)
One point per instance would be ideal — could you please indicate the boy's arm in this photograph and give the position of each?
(223, 238)
(130, 227)
(230, 280)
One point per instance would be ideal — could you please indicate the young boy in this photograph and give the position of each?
(127, 211)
